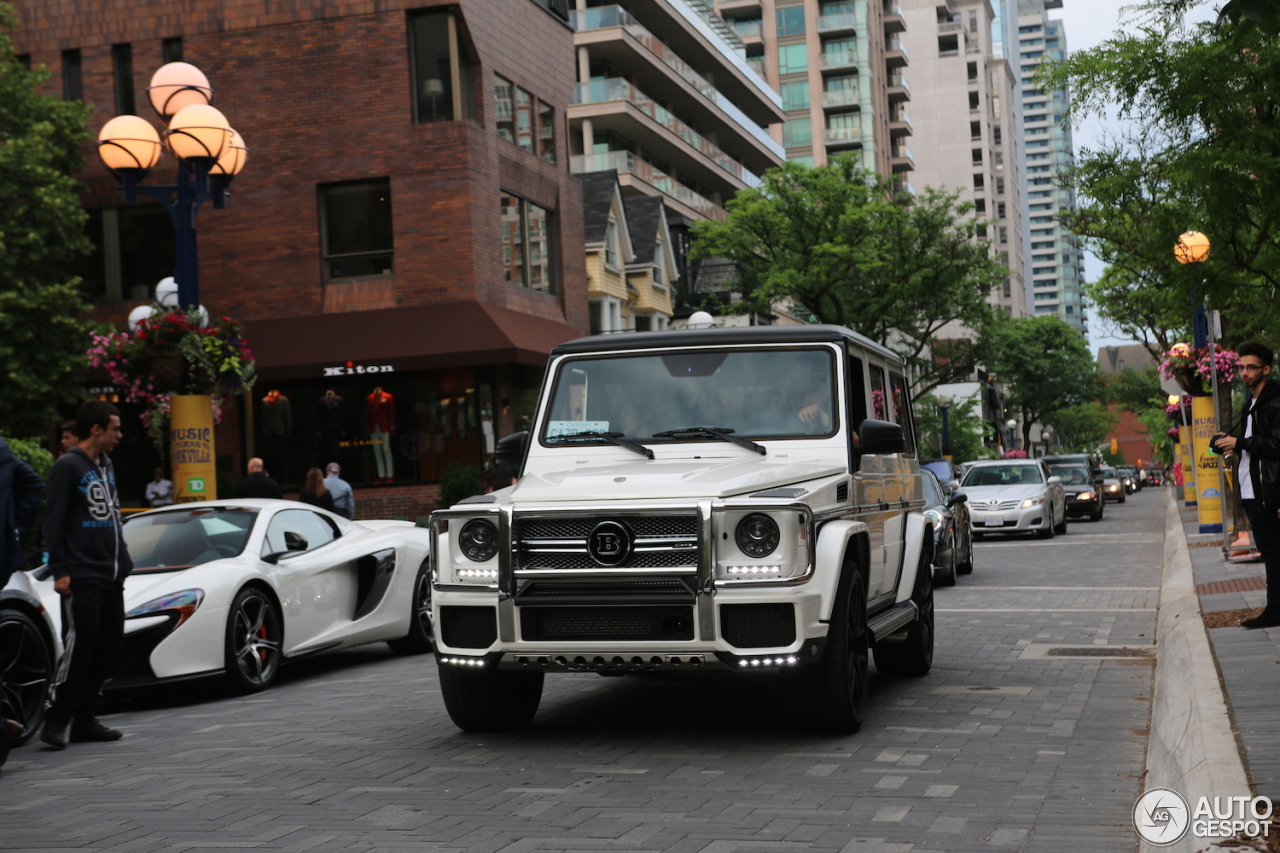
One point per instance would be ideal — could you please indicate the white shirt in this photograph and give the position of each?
(159, 493)
(1246, 480)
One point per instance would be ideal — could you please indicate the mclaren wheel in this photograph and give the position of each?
(255, 635)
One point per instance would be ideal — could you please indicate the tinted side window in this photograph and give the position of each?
(902, 409)
(315, 530)
(880, 409)
(857, 392)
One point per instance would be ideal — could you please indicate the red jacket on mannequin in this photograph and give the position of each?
(380, 411)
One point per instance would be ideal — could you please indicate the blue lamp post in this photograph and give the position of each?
(944, 404)
(209, 154)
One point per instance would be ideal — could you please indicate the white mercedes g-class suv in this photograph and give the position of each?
(737, 499)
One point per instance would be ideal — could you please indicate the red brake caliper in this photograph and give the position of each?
(262, 634)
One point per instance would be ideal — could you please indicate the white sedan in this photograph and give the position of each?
(1015, 496)
(238, 587)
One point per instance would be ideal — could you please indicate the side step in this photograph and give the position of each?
(888, 621)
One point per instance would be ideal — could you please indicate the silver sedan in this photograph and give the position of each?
(1015, 496)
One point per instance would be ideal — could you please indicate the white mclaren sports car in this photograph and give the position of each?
(239, 587)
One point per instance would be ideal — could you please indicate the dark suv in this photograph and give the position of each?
(1083, 496)
(947, 472)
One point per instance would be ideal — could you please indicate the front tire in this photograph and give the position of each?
(486, 700)
(965, 567)
(422, 634)
(254, 637)
(831, 697)
(1061, 529)
(948, 577)
(912, 657)
(26, 661)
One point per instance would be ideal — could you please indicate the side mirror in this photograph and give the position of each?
(957, 498)
(1054, 479)
(510, 450)
(294, 541)
(881, 437)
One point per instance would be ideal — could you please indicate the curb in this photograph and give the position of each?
(1191, 748)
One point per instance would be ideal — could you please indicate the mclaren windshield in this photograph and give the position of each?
(180, 539)
(694, 395)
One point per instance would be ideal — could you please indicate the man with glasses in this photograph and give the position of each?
(1257, 440)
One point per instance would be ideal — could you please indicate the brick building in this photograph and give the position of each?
(407, 225)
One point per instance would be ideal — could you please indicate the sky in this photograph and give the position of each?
(1088, 23)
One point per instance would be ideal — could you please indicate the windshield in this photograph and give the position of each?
(932, 494)
(1110, 473)
(941, 470)
(1004, 475)
(180, 539)
(775, 393)
(1072, 476)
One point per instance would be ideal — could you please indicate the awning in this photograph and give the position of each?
(453, 334)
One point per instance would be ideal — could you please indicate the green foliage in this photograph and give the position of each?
(1157, 424)
(1044, 365)
(42, 325)
(965, 427)
(458, 482)
(1133, 390)
(1081, 427)
(850, 249)
(33, 452)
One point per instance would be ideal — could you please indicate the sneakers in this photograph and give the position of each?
(89, 729)
(8, 737)
(1268, 618)
(56, 732)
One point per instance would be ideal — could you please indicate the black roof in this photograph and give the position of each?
(731, 335)
(597, 194)
(643, 215)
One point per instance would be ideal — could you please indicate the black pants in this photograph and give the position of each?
(1266, 534)
(93, 621)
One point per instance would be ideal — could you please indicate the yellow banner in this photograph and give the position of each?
(1188, 470)
(1208, 489)
(191, 451)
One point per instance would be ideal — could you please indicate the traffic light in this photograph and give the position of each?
(1115, 446)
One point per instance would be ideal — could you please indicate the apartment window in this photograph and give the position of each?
(995, 134)
(504, 100)
(1003, 233)
(980, 205)
(793, 58)
(659, 264)
(839, 47)
(72, 76)
(841, 83)
(122, 65)
(523, 109)
(441, 68)
(973, 101)
(977, 156)
(171, 50)
(528, 247)
(791, 21)
(975, 130)
(999, 185)
(797, 132)
(1034, 29)
(973, 70)
(355, 228)
(546, 132)
(611, 250)
(978, 181)
(948, 45)
(603, 141)
(132, 249)
(795, 96)
(973, 22)
(1000, 210)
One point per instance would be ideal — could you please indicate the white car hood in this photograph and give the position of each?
(982, 494)
(141, 587)
(674, 479)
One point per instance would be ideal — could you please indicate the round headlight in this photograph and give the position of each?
(479, 540)
(758, 535)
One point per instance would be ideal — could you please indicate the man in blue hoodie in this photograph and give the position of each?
(20, 489)
(89, 561)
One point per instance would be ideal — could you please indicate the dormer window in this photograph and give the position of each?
(659, 265)
(611, 250)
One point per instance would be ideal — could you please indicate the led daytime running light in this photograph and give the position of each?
(754, 570)
(184, 603)
(477, 573)
(757, 662)
(463, 661)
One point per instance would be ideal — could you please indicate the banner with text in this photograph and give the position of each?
(191, 451)
(1208, 486)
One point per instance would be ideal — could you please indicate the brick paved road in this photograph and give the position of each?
(1002, 747)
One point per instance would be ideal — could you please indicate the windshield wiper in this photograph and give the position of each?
(723, 433)
(611, 437)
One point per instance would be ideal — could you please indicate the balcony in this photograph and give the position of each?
(894, 20)
(609, 17)
(951, 27)
(840, 98)
(838, 23)
(837, 59)
(617, 89)
(756, 64)
(895, 53)
(629, 164)
(900, 124)
(843, 137)
(901, 159)
(747, 29)
(898, 90)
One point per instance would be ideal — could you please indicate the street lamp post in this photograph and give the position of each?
(944, 405)
(1046, 437)
(1012, 423)
(1193, 248)
(208, 151)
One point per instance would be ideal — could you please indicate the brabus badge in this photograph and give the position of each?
(609, 543)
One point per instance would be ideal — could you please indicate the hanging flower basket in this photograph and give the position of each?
(1193, 369)
(169, 370)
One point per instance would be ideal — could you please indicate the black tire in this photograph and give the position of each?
(1122, 499)
(1061, 529)
(486, 700)
(947, 577)
(254, 639)
(831, 696)
(912, 657)
(965, 566)
(422, 630)
(1047, 531)
(27, 663)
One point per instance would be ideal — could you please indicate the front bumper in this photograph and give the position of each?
(1114, 493)
(1087, 507)
(1017, 520)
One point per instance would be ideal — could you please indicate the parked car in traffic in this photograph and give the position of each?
(1112, 486)
(952, 537)
(1127, 479)
(1133, 475)
(947, 472)
(1083, 495)
(30, 646)
(1015, 496)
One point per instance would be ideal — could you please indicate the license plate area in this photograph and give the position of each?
(995, 521)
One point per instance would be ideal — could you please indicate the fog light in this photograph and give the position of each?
(778, 661)
(459, 661)
(754, 570)
(477, 573)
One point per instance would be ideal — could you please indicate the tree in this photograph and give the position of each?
(1082, 426)
(855, 251)
(43, 333)
(1133, 390)
(1044, 364)
(965, 428)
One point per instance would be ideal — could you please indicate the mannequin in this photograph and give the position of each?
(277, 426)
(380, 421)
(331, 415)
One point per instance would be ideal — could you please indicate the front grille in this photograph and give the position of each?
(468, 627)
(758, 626)
(606, 624)
(578, 528)
(560, 544)
(618, 588)
(993, 506)
(640, 560)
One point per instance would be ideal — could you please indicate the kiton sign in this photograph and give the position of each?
(352, 369)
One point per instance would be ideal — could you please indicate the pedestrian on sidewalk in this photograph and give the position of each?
(20, 490)
(257, 483)
(344, 499)
(1257, 440)
(89, 561)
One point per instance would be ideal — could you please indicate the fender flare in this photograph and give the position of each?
(835, 539)
(919, 536)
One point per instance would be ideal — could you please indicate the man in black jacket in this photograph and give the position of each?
(257, 483)
(1257, 440)
(89, 560)
(20, 490)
